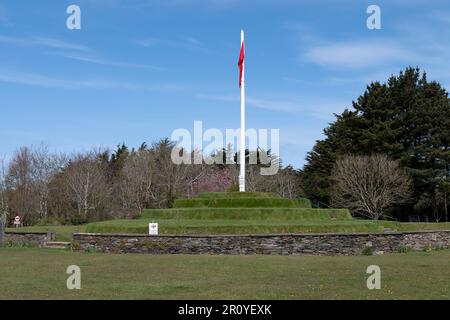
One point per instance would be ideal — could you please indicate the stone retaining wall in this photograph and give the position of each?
(285, 244)
(34, 239)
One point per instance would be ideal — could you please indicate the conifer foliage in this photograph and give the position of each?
(408, 119)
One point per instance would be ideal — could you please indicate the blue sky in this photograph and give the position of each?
(139, 69)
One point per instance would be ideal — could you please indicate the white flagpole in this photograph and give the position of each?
(242, 138)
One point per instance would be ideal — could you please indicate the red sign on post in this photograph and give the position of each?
(17, 221)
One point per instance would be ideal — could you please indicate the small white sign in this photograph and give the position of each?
(17, 220)
(153, 229)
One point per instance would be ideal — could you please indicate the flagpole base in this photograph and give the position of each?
(241, 184)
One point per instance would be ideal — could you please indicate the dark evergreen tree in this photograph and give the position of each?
(315, 176)
(118, 158)
(408, 119)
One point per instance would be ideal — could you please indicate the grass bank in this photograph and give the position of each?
(216, 226)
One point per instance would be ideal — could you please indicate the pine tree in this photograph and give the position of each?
(408, 119)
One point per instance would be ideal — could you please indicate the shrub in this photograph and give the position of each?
(20, 244)
(404, 249)
(368, 251)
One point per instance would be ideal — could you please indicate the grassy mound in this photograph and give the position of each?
(239, 213)
(244, 213)
(241, 202)
(207, 220)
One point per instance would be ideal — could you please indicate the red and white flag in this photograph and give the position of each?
(241, 62)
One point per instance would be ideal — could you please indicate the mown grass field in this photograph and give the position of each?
(41, 274)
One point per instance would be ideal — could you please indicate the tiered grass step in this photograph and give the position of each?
(238, 213)
(234, 195)
(204, 227)
(303, 214)
(241, 202)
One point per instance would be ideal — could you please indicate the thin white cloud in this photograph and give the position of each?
(183, 42)
(359, 54)
(44, 42)
(59, 44)
(417, 44)
(102, 61)
(274, 105)
(38, 80)
(70, 51)
(217, 97)
(318, 108)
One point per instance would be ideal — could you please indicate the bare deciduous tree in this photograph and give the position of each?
(136, 185)
(369, 185)
(44, 166)
(22, 201)
(87, 183)
(437, 201)
(287, 181)
(172, 180)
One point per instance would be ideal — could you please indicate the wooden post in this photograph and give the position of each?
(1, 231)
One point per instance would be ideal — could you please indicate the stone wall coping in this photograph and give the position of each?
(131, 235)
(25, 233)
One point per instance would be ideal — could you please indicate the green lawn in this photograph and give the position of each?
(414, 226)
(240, 200)
(40, 274)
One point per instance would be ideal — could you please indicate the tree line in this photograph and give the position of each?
(45, 187)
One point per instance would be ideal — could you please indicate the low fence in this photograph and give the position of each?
(27, 239)
(284, 244)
